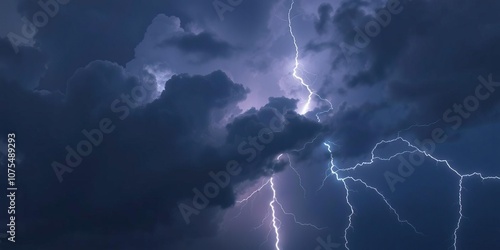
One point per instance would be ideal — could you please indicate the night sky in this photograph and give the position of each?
(251, 124)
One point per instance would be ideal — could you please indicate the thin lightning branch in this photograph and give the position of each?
(418, 126)
(374, 158)
(298, 175)
(253, 193)
(295, 218)
(387, 203)
(305, 145)
(245, 200)
(263, 222)
(267, 237)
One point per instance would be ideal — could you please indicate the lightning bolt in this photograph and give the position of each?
(295, 74)
(275, 220)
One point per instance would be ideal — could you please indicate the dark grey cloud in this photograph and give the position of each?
(204, 45)
(325, 12)
(25, 69)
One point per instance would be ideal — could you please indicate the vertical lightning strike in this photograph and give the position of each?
(459, 222)
(275, 220)
(306, 107)
(333, 172)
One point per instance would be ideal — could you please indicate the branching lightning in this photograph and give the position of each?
(335, 173)
(415, 149)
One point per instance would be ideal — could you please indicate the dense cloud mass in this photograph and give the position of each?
(128, 115)
(171, 143)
